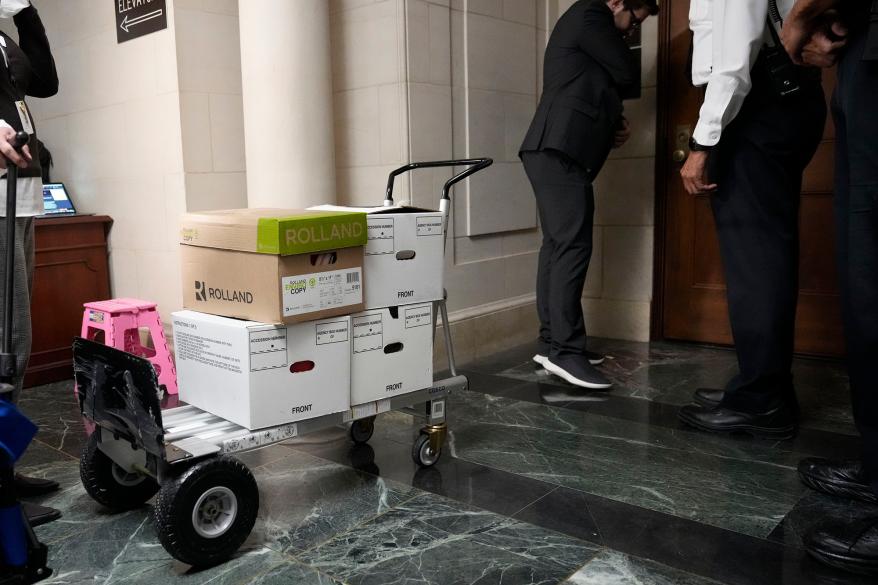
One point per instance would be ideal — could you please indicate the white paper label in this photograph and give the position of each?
(324, 290)
(418, 316)
(429, 225)
(380, 235)
(368, 333)
(336, 332)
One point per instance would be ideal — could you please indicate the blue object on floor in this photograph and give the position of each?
(13, 544)
(16, 431)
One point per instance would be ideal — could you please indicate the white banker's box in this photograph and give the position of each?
(405, 253)
(259, 375)
(392, 352)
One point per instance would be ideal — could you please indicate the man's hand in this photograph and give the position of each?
(800, 24)
(622, 134)
(824, 47)
(694, 174)
(21, 160)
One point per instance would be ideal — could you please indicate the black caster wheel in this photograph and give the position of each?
(109, 484)
(361, 430)
(423, 454)
(204, 514)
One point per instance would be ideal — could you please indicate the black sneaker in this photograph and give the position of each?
(593, 358)
(577, 371)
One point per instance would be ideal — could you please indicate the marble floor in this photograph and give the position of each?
(539, 484)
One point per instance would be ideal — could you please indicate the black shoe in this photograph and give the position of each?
(38, 515)
(777, 423)
(593, 358)
(709, 397)
(845, 479)
(846, 545)
(577, 371)
(27, 487)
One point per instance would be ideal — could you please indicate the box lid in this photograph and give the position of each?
(373, 210)
(275, 231)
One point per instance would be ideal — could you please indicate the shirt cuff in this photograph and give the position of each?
(705, 134)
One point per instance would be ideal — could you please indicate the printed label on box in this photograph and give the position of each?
(368, 333)
(269, 340)
(418, 316)
(380, 236)
(336, 332)
(429, 225)
(95, 317)
(203, 350)
(322, 290)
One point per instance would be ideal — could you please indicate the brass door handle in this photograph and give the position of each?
(679, 155)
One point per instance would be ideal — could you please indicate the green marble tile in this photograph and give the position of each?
(740, 486)
(614, 568)
(435, 541)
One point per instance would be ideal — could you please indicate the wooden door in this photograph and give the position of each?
(690, 295)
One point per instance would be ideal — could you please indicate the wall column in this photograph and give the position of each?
(286, 70)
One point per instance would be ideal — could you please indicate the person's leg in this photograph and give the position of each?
(837, 541)
(566, 202)
(533, 166)
(757, 218)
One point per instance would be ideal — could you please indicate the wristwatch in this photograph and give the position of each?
(695, 147)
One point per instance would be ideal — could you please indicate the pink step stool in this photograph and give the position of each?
(119, 322)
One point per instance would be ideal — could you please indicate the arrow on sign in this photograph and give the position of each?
(126, 24)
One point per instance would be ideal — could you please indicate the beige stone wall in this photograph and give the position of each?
(114, 130)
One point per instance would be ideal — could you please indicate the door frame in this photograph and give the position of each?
(662, 174)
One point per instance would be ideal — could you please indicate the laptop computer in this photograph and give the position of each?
(57, 201)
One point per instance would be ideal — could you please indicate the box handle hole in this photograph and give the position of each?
(393, 348)
(405, 254)
(303, 366)
(325, 259)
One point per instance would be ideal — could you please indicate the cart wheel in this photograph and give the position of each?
(204, 514)
(361, 430)
(423, 454)
(109, 484)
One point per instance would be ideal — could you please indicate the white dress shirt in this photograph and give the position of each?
(728, 35)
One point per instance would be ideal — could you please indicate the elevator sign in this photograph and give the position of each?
(135, 18)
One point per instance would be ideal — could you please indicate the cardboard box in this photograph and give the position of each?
(392, 352)
(272, 289)
(274, 231)
(273, 266)
(259, 375)
(405, 255)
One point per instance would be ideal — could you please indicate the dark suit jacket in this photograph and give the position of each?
(588, 66)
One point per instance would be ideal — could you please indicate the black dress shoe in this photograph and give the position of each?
(845, 479)
(576, 370)
(846, 545)
(709, 397)
(38, 515)
(777, 423)
(27, 487)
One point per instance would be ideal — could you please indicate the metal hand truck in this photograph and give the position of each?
(208, 500)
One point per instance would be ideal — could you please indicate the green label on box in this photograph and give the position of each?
(312, 232)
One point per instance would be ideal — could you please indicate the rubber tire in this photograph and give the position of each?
(178, 496)
(362, 430)
(419, 454)
(96, 473)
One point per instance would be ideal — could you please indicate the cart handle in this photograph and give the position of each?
(474, 166)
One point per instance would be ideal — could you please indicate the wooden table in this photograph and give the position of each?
(72, 268)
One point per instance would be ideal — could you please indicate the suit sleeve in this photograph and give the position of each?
(601, 41)
(34, 43)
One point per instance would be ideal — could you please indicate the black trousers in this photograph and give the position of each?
(565, 200)
(758, 166)
(855, 109)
